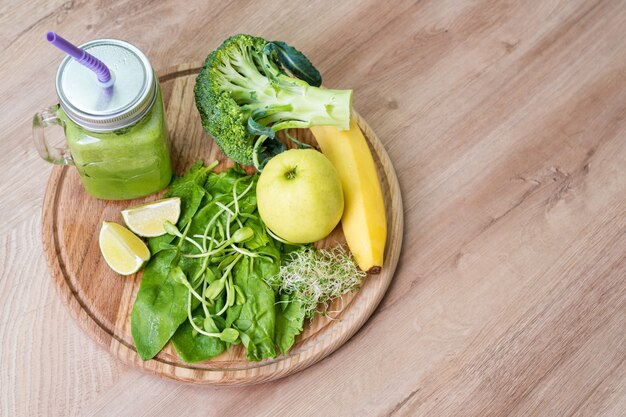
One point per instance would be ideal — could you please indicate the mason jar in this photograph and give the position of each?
(116, 136)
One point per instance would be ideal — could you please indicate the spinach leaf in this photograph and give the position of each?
(196, 175)
(196, 348)
(256, 321)
(160, 306)
(190, 267)
(222, 183)
(204, 216)
(289, 323)
(232, 314)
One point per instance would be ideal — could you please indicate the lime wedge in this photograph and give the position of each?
(124, 252)
(147, 220)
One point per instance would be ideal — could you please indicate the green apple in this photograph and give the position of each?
(299, 196)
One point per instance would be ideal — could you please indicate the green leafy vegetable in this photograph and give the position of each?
(196, 348)
(205, 286)
(289, 323)
(257, 317)
(160, 306)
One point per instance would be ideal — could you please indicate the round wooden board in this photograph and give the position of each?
(101, 301)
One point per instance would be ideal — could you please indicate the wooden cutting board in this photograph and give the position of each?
(101, 301)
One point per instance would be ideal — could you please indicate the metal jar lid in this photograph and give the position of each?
(100, 109)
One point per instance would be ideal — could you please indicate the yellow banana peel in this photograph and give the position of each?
(363, 222)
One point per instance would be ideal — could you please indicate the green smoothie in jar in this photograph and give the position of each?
(116, 135)
(126, 163)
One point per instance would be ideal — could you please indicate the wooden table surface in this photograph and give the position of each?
(506, 122)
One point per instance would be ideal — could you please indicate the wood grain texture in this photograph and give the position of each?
(506, 123)
(71, 222)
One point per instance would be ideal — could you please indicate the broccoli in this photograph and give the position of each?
(244, 97)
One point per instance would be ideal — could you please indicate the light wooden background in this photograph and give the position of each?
(506, 122)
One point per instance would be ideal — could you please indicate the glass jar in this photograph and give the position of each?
(116, 136)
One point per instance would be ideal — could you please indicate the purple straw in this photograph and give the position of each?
(83, 57)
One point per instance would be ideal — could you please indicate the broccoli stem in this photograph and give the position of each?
(287, 103)
(315, 107)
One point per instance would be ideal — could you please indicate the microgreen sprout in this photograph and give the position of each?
(171, 229)
(316, 277)
(228, 335)
(240, 236)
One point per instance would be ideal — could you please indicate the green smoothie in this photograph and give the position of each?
(126, 163)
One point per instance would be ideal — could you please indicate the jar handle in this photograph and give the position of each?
(59, 155)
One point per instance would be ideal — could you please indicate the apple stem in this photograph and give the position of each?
(291, 174)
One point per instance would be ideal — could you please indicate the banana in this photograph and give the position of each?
(363, 221)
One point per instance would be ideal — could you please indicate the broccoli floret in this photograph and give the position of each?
(244, 97)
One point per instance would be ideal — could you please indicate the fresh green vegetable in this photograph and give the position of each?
(257, 319)
(195, 347)
(316, 277)
(289, 322)
(160, 306)
(244, 97)
(205, 287)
